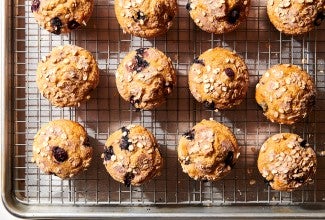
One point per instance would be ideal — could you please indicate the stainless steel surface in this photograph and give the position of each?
(30, 193)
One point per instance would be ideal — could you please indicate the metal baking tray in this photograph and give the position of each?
(27, 192)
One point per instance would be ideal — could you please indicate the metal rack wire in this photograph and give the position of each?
(256, 41)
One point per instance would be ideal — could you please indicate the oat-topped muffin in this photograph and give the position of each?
(145, 78)
(219, 79)
(145, 18)
(287, 162)
(62, 148)
(62, 16)
(208, 151)
(296, 16)
(132, 156)
(218, 16)
(285, 93)
(67, 75)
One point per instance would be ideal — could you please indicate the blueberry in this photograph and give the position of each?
(56, 24)
(230, 73)
(59, 154)
(319, 18)
(303, 143)
(108, 153)
(124, 129)
(140, 16)
(140, 51)
(209, 105)
(128, 178)
(188, 6)
(233, 16)
(35, 5)
(267, 182)
(140, 64)
(189, 135)
(229, 158)
(196, 60)
(86, 142)
(263, 106)
(134, 101)
(124, 143)
(73, 24)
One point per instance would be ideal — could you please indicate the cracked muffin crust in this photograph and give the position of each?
(131, 155)
(145, 18)
(208, 151)
(62, 16)
(287, 162)
(218, 16)
(67, 75)
(62, 148)
(285, 93)
(219, 79)
(296, 16)
(145, 78)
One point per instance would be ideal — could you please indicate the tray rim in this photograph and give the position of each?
(18, 209)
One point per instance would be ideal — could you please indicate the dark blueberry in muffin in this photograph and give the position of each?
(35, 5)
(233, 16)
(59, 154)
(56, 24)
(197, 60)
(230, 73)
(189, 135)
(128, 178)
(209, 105)
(73, 24)
(108, 153)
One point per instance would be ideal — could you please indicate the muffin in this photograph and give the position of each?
(287, 162)
(145, 78)
(131, 155)
(219, 16)
(145, 18)
(62, 16)
(208, 151)
(285, 93)
(219, 79)
(296, 17)
(62, 148)
(67, 75)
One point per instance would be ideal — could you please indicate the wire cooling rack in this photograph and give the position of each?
(256, 41)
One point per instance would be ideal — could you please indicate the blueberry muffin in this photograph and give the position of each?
(208, 151)
(218, 16)
(131, 155)
(62, 16)
(219, 79)
(285, 93)
(287, 162)
(296, 16)
(145, 78)
(145, 18)
(67, 75)
(62, 148)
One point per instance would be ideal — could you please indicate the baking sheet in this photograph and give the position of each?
(256, 41)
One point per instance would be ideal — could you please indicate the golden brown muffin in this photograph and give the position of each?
(145, 18)
(62, 148)
(296, 16)
(287, 162)
(62, 16)
(286, 94)
(208, 152)
(67, 76)
(218, 16)
(219, 79)
(145, 78)
(132, 156)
